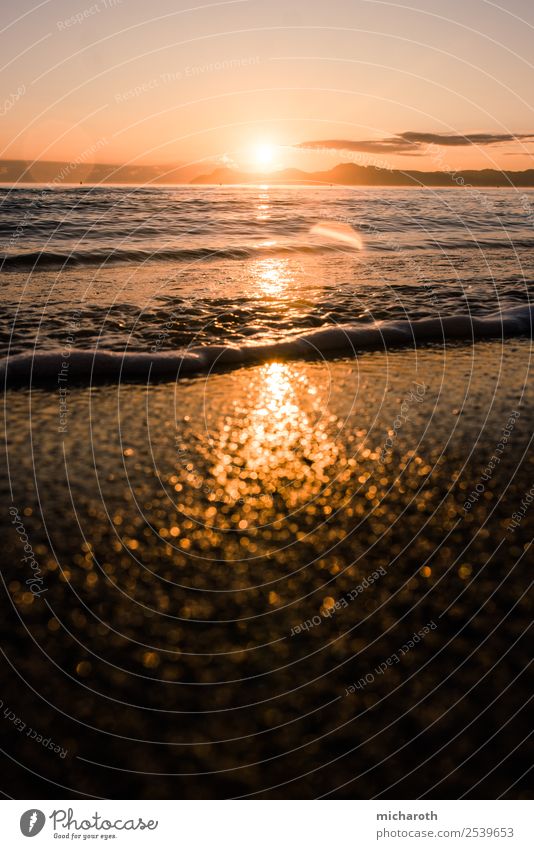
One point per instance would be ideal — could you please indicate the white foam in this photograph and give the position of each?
(43, 368)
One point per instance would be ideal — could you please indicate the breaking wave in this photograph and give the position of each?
(88, 367)
(57, 259)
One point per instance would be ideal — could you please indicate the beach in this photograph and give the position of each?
(293, 580)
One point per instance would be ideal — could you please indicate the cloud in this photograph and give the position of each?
(464, 140)
(396, 144)
(414, 144)
(224, 160)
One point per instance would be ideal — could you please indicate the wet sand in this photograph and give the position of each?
(226, 574)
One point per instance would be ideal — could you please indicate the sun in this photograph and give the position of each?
(263, 155)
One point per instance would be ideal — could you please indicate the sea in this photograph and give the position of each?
(156, 269)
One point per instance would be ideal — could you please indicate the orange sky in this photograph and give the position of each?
(129, 82)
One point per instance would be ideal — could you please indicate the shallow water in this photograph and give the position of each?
(186, 532)
(173, 267)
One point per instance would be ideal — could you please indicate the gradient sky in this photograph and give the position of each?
(167, 82)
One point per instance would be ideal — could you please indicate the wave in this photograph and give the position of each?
(32, 260)
(87, 367)
(61, 259)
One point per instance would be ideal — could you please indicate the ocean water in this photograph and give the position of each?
(152, 270)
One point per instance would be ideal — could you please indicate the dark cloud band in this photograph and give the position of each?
(413, 143)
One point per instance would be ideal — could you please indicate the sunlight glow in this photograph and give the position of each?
(263, 156)
(272, 275)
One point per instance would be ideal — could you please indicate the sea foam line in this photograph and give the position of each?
(86, 367)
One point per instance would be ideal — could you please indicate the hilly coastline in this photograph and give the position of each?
(349, 174)
(344, 174)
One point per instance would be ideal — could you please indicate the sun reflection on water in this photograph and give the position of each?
(278, 443)
(276, 414)
(263, 206)
(272, 275)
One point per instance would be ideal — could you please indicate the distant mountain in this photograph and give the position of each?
(230, 176)
(18, 170)
(349, 174)
(345, 174)
(226, 176)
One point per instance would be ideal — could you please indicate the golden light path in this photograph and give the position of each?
(278, 442)
(272, 276)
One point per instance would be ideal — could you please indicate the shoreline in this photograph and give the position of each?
(91, 367)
